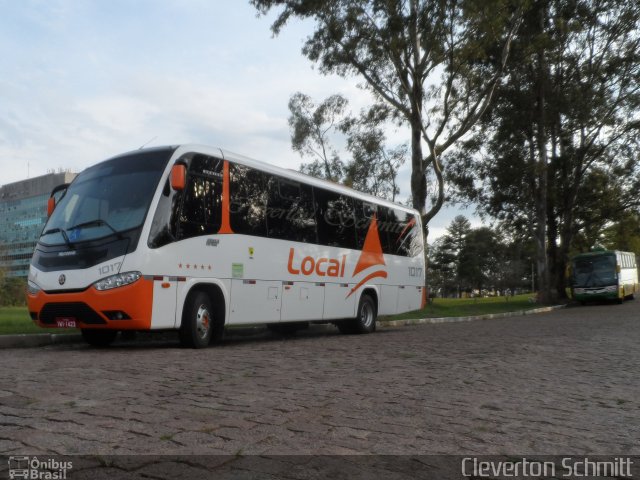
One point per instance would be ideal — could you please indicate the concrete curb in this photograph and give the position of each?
(44, 339)
(489, 316)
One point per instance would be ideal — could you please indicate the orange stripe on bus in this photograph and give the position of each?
(135, 299)
(373, 275)
(225, 226)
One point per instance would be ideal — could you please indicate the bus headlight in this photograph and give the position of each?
(33, 289)
(115, 281)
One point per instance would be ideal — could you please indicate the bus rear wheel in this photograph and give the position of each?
(98, 338)
(197, 324)
(365, 321)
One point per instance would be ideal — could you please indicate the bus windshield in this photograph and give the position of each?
(595, 271)
(107, 199)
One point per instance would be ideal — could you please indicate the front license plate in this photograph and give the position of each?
(65, 322)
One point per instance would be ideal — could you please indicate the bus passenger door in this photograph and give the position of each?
(165, 294)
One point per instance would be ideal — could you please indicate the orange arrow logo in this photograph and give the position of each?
(370, 256)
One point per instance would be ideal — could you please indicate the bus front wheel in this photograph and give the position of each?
(197, 321)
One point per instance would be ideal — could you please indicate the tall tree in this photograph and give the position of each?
(311, 126)
(479, 259)
(558, 154)
(623, 234)
(452, 246)
(441, 268)
(419, 57)
(373, 166)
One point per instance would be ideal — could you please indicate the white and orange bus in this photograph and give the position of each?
(196, 238)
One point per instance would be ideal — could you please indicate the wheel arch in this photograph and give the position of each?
(373, 293)
(217, 295)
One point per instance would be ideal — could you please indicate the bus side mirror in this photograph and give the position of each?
(51, 205)
(178, 177)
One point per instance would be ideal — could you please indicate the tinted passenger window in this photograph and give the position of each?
(248, 205)
(404, 234)
(201, 208)
(365, 213)
(290, 212)
(336, 219)
(164, 225)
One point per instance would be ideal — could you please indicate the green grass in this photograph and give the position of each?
(16, 320)
(467, 307)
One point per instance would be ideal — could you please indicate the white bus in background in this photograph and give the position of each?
(195, 238)
(603, 275)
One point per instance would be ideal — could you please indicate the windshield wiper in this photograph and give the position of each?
(98, 222)
(62, 232)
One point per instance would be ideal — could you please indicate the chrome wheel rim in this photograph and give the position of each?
(203, 322)
(366, 315)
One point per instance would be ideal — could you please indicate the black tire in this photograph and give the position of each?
(98, 338)
(365, 321)
(366, 315)
(196, 329)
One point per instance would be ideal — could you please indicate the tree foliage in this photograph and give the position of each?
(557, 156)
(311, 126)
(476, 260)
(418, 57)
(373, 167)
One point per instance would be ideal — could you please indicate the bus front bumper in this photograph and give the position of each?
(610, 292)
(123, 308)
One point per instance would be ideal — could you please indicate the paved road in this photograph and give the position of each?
(565, 382)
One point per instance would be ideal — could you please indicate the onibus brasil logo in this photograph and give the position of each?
(33, 468)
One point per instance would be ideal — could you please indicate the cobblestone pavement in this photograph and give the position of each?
(565, 382)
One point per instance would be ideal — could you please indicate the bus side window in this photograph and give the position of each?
(164, 224)
(248, 205)
(405, 234)
(335, 218)
(201, 209)
(386, 228)
(290, 211)
(364, 215)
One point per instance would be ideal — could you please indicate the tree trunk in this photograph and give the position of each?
(418, 180)
(542, 169)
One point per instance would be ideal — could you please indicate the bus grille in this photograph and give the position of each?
(78, 310)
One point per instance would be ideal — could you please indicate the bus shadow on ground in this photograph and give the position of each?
(233, 336)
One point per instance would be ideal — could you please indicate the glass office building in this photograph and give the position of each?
(23, 213)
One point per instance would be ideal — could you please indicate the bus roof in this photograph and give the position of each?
(599, 253)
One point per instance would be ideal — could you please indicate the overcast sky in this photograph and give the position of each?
(81, 81)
